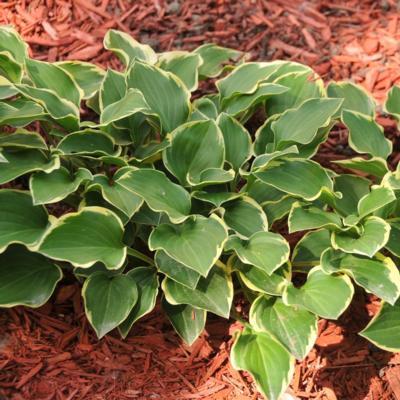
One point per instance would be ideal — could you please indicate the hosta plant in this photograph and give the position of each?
(144, 191)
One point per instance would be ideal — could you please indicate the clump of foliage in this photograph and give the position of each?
(160, 195)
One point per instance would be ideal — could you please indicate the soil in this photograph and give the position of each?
(52, 353)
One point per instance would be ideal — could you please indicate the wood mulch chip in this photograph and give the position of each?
(52, 353)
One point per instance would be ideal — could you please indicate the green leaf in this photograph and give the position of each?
(374, 236)
(26, 278)
(393, 244)
(55, 186)
(375, 200)
(184, 65)
(10, 68)
(301, 124)
(20, 220)
(112, 89)
(12, 42)
(392, 105)
(195, 147)
(196, 243)
(325, 295)
(20, 112)
(22, 138)
(214, 293)
(245, 216)
(383, 330)
(211, 176)
(87, 76)
(146, 281)
(175, 270)
(161, 89)
(237, 141)
(374, 166)
(162, 195)
(87, 141)
(108, 300)
(265, 250)
(268, 362)
(215, 198)
(214, 57)
(294, 327)
(262, 192)
(276, 210)
(305, 217)
(127, 48)
(261, 162)
(50, 76)
(365, 135)
(302, 178)
(85, 237)
(356, 98)
(187, 321)
(380, 277)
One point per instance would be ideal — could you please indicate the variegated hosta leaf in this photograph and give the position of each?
(304, 217)
(375, 200)
(26, 278)
(195, 148)
(108, 300)
(325, 295)
(300, 125)
(204, 108)
(265, 250)
(161, 89)
(356, 98)
(373, 166)
(146, 281)
(11, 42)
(196, 243)
(268, 362)
(187, 321)
(20, 220)
(85, 237)
(22, 139)
(112, 89)
(128, 49)
(392, 105)
(262, 161)
(384, 329)
(380, 277)
(54, 186)
(20, 112)
(302, 178)
(161, 195)
(365, 135)
(393, 244)
(213, 293)
(215, 198)
(245, 216)
(10, 68)
(294, 327)
(374, 236)
(276, 210)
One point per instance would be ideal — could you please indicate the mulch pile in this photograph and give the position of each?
(52, 353)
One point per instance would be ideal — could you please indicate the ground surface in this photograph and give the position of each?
(51, 353)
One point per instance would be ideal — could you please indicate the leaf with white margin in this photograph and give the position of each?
(195, 147)
(325, 295)
(211, 176)
(373, 166)
(356, 98)
(215, 198)
(365, 135)
(392, 105)
(267, 361)
(47, 188)
(20, 112)
(393, 244)
(375, 200)
(301, 124)
(10, 68)
(127, 49)
(24, 161)
(20, 220)
(374, 236)
(160, 194)
(147, 284)
(12, 42)
(213, 293)
(245, 216)
(265, 250)
(23, 139)
(26, 279)
(295, 327)
(378, 276)
(237, 140)
(196, 243)
(175, 270)
(184, 65)
(85, 237)
(187, 321)
(302, 178)
(108, 300)
(262, 161)
(304, 217)
(276, 210)
(112, 89)
(384, 328)
(166, 95)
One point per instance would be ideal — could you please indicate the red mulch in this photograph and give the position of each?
(51, 353)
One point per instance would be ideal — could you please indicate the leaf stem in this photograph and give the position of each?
(137, 254)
